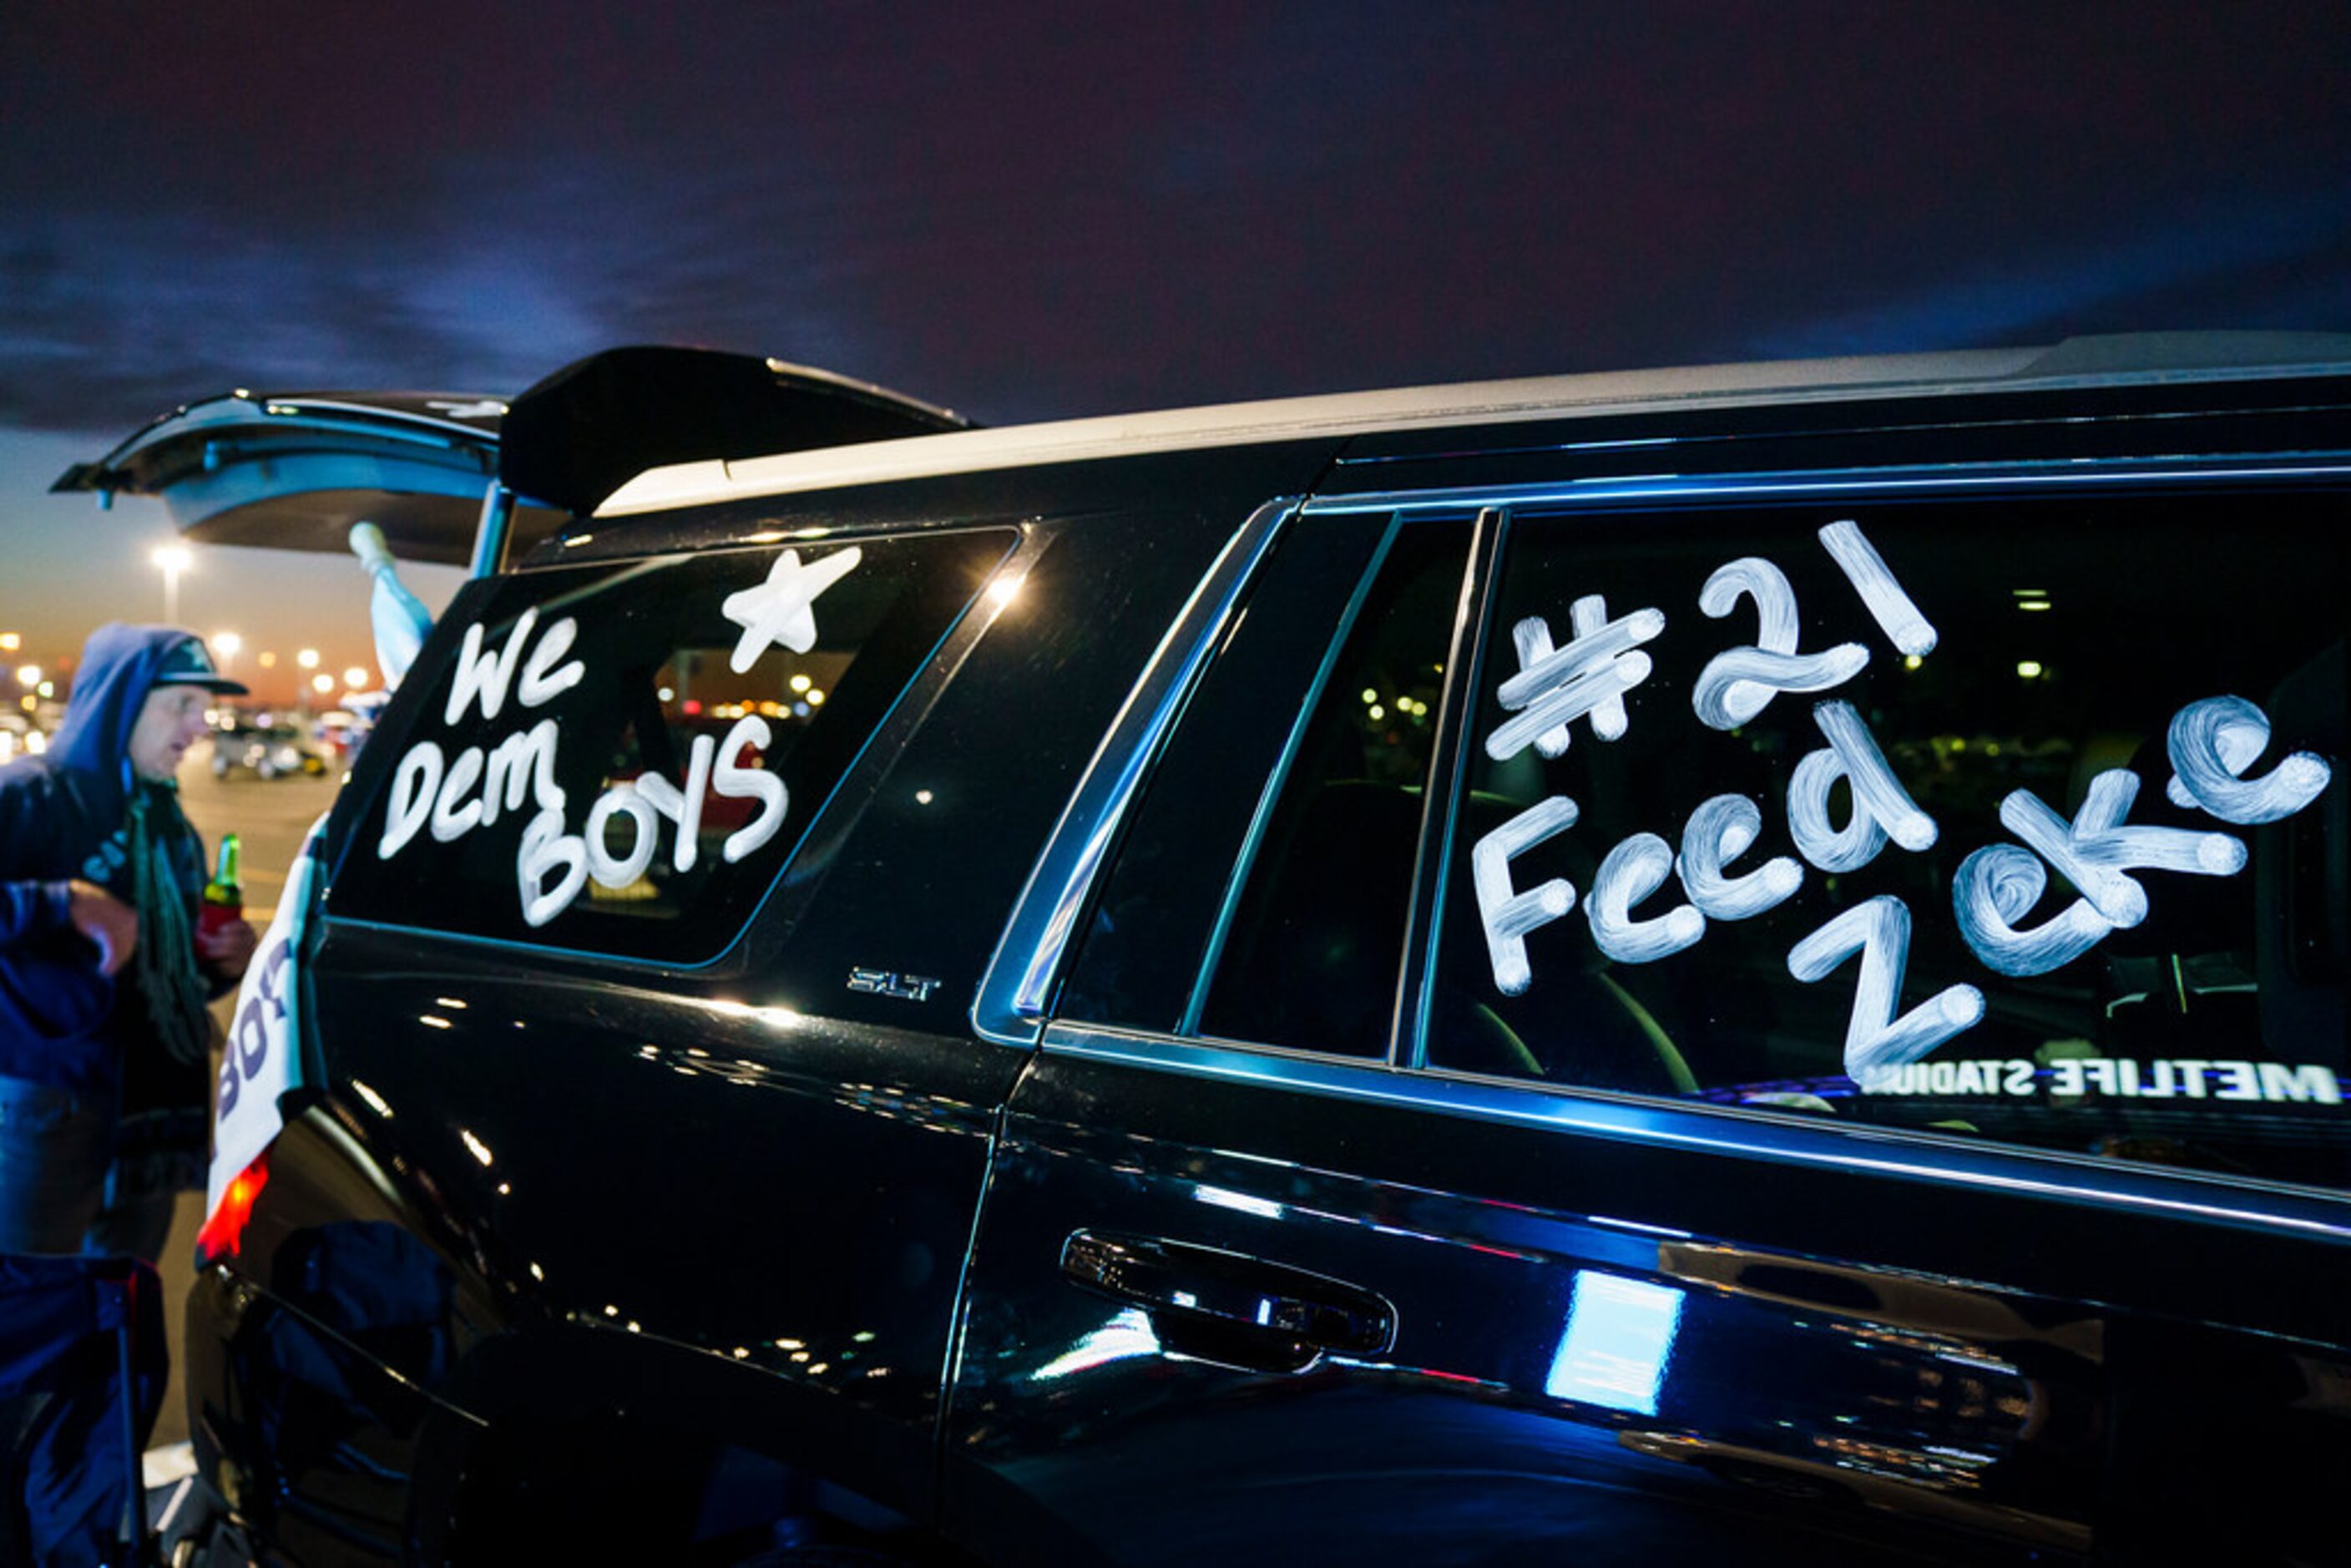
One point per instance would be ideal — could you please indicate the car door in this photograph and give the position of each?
(1572, 1053)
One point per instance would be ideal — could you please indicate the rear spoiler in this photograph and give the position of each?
(457, 477)
(598, 423)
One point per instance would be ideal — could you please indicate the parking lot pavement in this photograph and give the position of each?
(270, 818)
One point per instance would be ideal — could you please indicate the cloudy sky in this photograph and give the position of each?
(1028, 210)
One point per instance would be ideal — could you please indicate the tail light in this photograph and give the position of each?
(224, 1228)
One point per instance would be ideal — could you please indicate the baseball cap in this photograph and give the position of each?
(190, 664)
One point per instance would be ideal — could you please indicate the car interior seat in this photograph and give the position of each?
(1317, 961)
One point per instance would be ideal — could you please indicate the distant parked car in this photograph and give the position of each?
(271, 751)
(341, 731)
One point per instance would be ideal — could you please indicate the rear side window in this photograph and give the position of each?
(1263, 890)
(1309, 952)
(2019, 819)
(621, 759)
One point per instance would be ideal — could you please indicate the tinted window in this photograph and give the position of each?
(1309, 952)
(620, 758)
(1920, 858)
(1262, 889)
(1149, 929)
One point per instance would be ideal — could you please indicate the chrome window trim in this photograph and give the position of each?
(1009, 1005)
(1897, 1154)
(1841, 482)
(1440, 801)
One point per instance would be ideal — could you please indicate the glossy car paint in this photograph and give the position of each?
(1869, 1354)
(724, 1122)
(1623, 1329)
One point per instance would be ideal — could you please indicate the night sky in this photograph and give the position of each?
(1026, 210)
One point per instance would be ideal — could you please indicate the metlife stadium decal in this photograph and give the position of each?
(2122, 1077)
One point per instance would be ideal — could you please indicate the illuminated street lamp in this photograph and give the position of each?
(10, 642)
(173, 560)
(322, 685)
(227, 644)
(307, 658)
(355, 679)
(29, 675)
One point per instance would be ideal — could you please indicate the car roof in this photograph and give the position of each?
(637, 431)
(2144, 358)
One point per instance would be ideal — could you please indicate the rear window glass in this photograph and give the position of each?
(621, 758)
(2017, 819)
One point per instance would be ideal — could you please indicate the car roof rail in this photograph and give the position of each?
(2190, 354)
(580, 433)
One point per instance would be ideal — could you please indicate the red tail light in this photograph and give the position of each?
(224, 1229)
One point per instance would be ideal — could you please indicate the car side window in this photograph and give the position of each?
(1312, 949)
(2017, 819)
(1149, 929)
(619, 759)
(1261, 892)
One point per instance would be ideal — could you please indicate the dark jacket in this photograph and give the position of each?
(63, 816)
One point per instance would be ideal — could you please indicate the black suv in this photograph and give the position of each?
(1740, 965)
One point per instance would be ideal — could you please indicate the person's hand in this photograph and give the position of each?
(227, 950)
(106, 920)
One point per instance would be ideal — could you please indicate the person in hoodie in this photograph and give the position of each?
(105, 1072)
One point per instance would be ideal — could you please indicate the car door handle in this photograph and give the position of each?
(1229, 1308)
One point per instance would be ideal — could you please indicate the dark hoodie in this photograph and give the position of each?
(68, 815)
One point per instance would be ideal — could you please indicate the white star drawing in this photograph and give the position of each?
(780, 608)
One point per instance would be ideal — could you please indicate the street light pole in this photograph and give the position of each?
(173, 560)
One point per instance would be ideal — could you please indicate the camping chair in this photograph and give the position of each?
(82, 1368)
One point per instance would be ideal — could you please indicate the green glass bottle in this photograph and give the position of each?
(224, 896)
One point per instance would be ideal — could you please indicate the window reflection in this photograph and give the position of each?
(1620, 1336)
